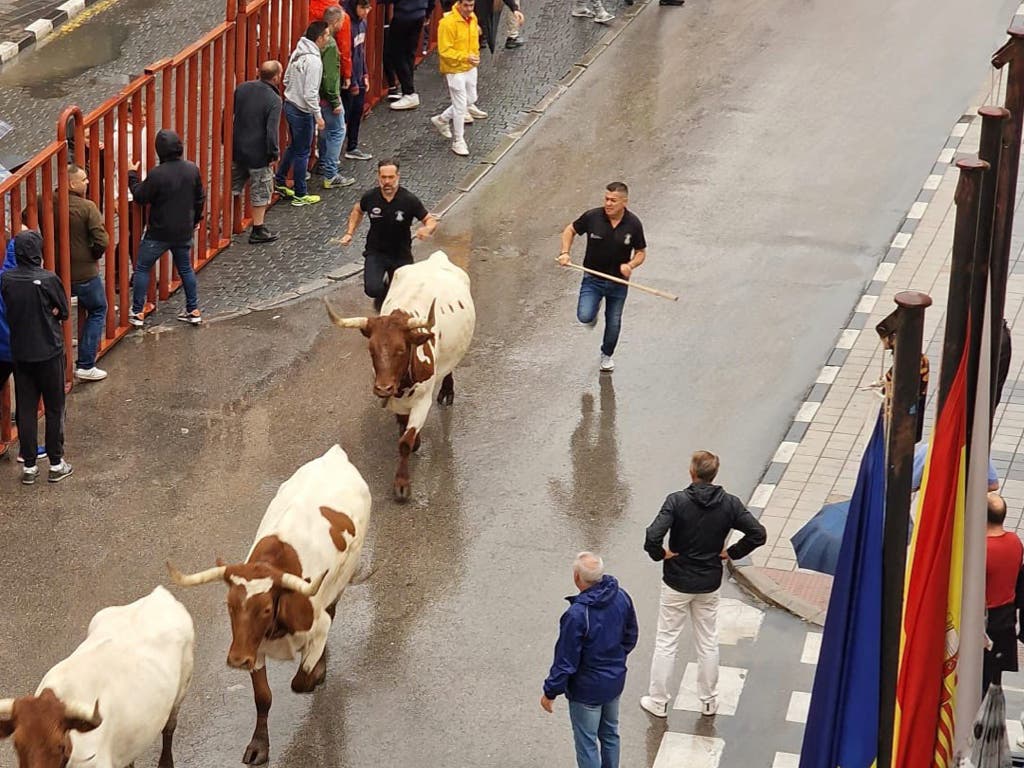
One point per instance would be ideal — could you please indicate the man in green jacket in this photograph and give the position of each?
(333, 133)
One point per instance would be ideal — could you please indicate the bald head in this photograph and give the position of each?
(270, 71)
(996, 509)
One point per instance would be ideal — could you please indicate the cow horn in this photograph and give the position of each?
(416, 323)
(300, 585)
(195, 579)
(345, 322)
(6, 708)
(79, 711)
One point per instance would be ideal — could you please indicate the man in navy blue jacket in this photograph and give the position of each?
(596, 633)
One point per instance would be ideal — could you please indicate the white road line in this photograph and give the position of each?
(1014, 731)
(933, 181)
(730, 688)
(786, 760)
(40, 28)
(866, 303)
(762, 495)
(917, 210)
(812, 648)
(847, 338)
(828, 374)
(946, 155)
(902, 240)
(807, 411)
(799, 706)
(785, 451)
(738, 621)
(959, 130)
(681, 750)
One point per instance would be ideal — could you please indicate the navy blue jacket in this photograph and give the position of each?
(597, 632)
(409, 10)
(5, 330)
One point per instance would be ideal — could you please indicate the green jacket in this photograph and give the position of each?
(330, 81)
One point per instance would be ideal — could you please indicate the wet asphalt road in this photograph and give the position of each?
(770, 159)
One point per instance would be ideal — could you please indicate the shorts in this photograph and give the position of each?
(261, 186)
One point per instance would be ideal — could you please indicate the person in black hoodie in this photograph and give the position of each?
(36, 305)
(174, 193)
(698, 521)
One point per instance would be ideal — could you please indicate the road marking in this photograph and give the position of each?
(682, 750)
(917, 210)
(807, 411)
(847, 338)
(8, 51)
(866, 303)
(786, 760)
(960, 130)
(799, 706)
(730, 688)
(828, 374)
(812, 648)
(72, 24)
(946, 155)
(785, 451)
(40, 28)
(72, 7)
(902, 240)
(932, 182)
(1014, 731)
(738, 621)
(762, 495)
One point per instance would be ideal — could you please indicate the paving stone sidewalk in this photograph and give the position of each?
(817, 461)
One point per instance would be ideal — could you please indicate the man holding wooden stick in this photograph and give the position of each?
(615, 247)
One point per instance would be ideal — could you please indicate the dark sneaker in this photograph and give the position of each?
(284, 190)
(194, 317)
(358, 154)
(262, 235)
(513, 42)
(339, 181)
(29, 475)
(59, 472)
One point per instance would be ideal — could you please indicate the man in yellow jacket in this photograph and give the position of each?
(458, 48)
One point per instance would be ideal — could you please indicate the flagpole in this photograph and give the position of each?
(905, 327)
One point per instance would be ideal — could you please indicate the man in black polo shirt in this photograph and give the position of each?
(615, 247)
(391, 209)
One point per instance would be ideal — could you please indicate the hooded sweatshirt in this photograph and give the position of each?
(358, 27)
(5, 331)
(698, 521)
(302, 77)
(173, 191)
(30, 295)
(596, 633)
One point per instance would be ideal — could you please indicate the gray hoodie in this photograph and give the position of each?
(302, 77)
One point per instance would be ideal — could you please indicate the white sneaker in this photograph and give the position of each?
(602, 17)
(459, 147)
(90, 374)
(409, 101)
(582, 12)
(650, 706)
(467, 119)
(709, 708)
(476, 112)
(607, 364)
(442, 126)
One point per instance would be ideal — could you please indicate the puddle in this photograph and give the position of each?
(45, 71)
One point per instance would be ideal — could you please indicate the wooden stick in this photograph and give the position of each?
(638, 286)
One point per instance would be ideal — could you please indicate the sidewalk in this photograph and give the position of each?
(818, 459)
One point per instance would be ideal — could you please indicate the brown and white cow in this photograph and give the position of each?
(424, 329)
(281, 600)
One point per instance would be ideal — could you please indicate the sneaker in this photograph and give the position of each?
(262, 235)
(136, 319)
(358, 154)
(409, 101)
(603, 17)
(513, 42)
(29, 475)
(306, 200)
(284, 191)
(467, 119)
(652, 707)
(90, 374)
(607, 364)
(442, 126)
(394, 93)
(476, 112)
(709, 708)
(59, 472)
(459, 147)
(339, 181)
(40, 454)
(193, 318)
(582, 12)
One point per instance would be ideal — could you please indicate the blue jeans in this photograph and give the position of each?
(331, 138)
(93, 300)
(593, 724)
(149, 252)
(592, 290)
(296, 156)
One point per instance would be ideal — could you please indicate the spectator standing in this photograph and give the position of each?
(175, 196)
(302, 111)
(400, 45)
(342, 38)
(391, 209)
(255, 144)
(596, 633)
(458, 50)
(514, 26)
(331, 110)
(353, 98)
(698, 521)
(6, 361)
(1004, 556)
(36, 305)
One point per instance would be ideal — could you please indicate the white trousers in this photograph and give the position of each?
(673, 609)
(462, 90)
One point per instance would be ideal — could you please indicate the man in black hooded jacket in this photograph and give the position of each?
(174, 193)
(36, 305)
(698, 521)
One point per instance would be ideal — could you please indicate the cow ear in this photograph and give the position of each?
(295, 612)
(420, 336)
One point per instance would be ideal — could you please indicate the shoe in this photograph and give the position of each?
(467, 119)
(90, 374)
(394, 93)
(442, 126)
(339, 181)
(284, 191)
(709, 708)
(306, 200)
(603, 17)
(40, 454)
(582, 12)
(652, 707)
(29, 475)
(193, 318)
(409, 101)
(675, 3)
(358, 154)
(59, 472)
(262, 235)
(607, 364)
(476, 112)
(513, 42)
(459, 147)
(136, 319)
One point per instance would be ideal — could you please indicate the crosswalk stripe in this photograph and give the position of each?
(730, 687)
(738, 621)
(683, 750)
(799, 705)
(812, 648)
(1014, 731)
(786, 760)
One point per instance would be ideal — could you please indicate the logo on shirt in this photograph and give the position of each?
(399, 216)
(628, 238)
(596, 237)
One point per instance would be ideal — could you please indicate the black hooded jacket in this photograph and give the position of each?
(698, 521)
(173, 191)
(35, 302)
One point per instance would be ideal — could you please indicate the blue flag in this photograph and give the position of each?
(842, 725)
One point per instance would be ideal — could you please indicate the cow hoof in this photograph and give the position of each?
(446, 398)
(305, 683)
(416, 445)
(257, 753)
(403, 492)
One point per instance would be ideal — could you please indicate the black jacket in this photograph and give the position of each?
(256, 124)
(698, 521)
(173, 191)
(35, 302)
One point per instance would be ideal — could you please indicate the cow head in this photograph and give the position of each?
(399, 348)
(40, 727)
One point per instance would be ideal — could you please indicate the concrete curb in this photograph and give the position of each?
(43, 27)
(756, 582)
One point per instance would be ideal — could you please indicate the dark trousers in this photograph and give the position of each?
(354, 104)
(6, 369)
(32, 381)
(378, 269)
(400, 52)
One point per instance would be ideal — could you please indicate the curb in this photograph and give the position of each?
(43, 27)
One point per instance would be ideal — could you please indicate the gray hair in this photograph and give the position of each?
(332, 13)
(589, 567)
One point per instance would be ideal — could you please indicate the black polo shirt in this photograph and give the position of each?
(391, 222)
(609, 247)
